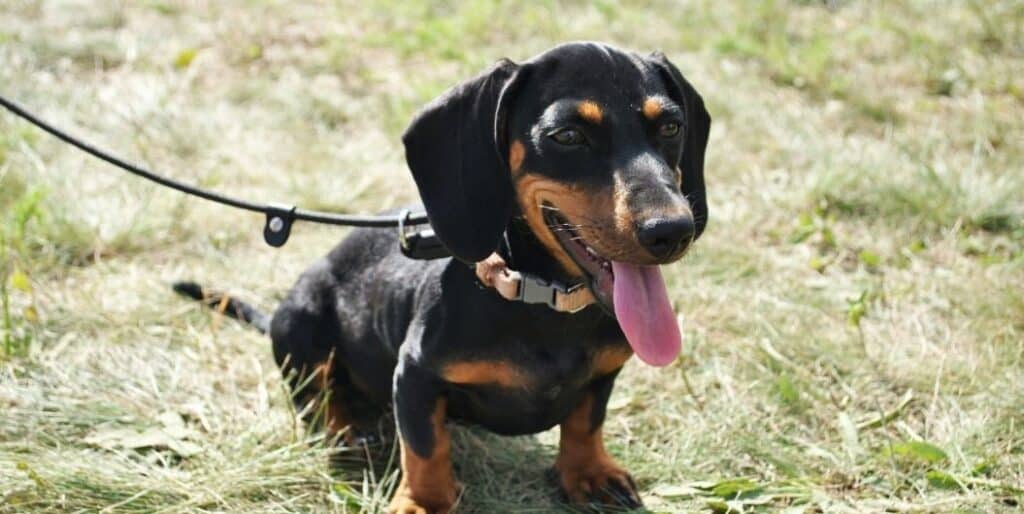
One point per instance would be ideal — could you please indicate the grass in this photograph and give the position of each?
(853, 316)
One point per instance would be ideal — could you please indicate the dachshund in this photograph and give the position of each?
(559, 186)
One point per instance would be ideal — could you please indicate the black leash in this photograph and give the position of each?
(279, 217)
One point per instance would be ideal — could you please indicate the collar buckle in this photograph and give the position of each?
(516, 286)
(534, 289)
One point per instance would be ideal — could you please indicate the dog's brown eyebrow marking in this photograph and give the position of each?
(652, 107)
(590, 111)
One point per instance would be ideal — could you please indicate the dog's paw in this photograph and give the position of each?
(406, 506)
(440, 502)
(604, 483)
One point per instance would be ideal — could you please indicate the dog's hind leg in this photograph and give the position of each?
(319, 381)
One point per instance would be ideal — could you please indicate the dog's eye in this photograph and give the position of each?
(568, 137)
(670, 129)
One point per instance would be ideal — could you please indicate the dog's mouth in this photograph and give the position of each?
(599, 275)
(635, 294)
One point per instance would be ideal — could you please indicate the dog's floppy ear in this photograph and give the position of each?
(698, 124)
(456, 148)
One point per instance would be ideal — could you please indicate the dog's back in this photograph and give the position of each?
(352, 306)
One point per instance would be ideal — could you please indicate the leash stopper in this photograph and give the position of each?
(279, 224)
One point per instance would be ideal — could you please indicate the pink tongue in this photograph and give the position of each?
(645, 314)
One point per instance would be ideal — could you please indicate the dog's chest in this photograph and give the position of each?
(533, 387)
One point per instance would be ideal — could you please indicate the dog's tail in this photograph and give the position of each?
(225, 304)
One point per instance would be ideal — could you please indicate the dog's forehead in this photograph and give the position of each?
(593, 71)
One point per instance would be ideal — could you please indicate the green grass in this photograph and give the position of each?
(854, 319)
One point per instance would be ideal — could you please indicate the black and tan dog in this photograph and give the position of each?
(582, 165)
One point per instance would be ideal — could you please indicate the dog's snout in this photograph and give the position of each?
(663, 237)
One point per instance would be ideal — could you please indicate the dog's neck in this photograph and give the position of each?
(523, 252)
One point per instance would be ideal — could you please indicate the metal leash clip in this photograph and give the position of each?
(420, 244)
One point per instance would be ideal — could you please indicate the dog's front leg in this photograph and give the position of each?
(585, 471)
(428, 484)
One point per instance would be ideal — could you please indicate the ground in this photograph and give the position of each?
(853, 316)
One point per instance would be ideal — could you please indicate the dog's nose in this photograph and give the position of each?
(663, 237)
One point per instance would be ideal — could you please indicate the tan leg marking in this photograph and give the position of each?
(585, 469)
(428, 485)
(335, 420)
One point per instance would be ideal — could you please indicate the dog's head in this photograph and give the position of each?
(601, 151)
